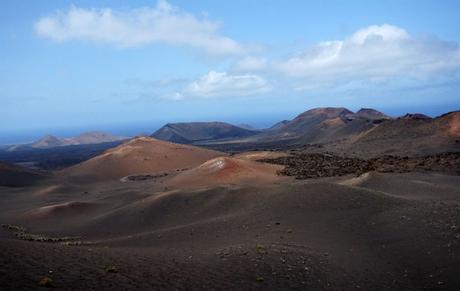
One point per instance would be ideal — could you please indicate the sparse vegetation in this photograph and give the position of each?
(22, 234)
(13, 227)
(111, 269)
(261, 249)
(144, 177)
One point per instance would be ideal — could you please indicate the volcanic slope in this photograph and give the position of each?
(323, 234)
(412, 134)
(226, 170)
(17, 176)
(316, 126)
(140, 155)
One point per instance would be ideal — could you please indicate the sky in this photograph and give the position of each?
(73, 66)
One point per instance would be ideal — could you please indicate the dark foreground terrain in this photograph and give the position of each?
(305, 165)
(378, 231)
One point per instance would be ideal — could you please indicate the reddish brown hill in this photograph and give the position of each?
(371, 114)
(321, 125)
(225, 170)
(140, 155)
(413, 134)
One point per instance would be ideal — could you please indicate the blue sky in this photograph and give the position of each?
(70, 66)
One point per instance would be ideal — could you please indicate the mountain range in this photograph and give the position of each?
(366, 132)
(51, 141)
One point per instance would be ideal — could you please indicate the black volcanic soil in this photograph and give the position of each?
(305, 165)
(17, 176)
(379, 231)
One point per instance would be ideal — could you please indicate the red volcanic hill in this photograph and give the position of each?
(371, 114)
(226, 170)
(140, 155)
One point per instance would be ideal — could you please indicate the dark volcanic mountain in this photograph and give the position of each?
(190, 132)
(319, 125)
(48, 141)
(415, 116)
(17, 176)
(246, 126)
(412, 134)
(278, 125)
(366, 133)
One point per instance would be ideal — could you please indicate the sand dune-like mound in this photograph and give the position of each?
(140, 155)
(260, 155)
(412, 186)
(62, 210)
(358, 181)
(49, 190)
(225, 170)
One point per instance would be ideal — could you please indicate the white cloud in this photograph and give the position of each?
(221, 84)
(175, 96)
(250, 64)
(163, 23)
(384, 32)
(373, 54)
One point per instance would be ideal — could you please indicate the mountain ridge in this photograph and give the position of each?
(51, 141)
(190, 132)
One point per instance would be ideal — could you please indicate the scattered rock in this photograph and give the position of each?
(261, 249)
(111, 269)
(314, 165)
(45, 282)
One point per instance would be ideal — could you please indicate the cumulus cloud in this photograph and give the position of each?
(376, 54)
(220, 84)
(163, 23)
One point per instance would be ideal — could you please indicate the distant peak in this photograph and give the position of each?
(367, 110)
(48, 136)
(370, 113)
(48, 141)
(416, 116)
(329, 112)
